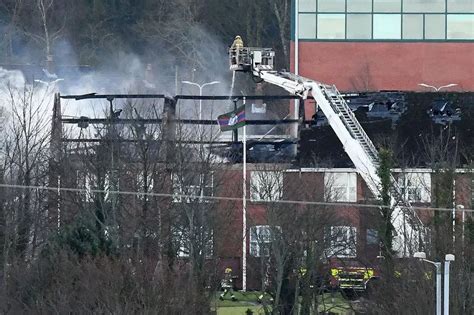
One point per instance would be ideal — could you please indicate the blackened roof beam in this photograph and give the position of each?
(178, 97)
(181, 121)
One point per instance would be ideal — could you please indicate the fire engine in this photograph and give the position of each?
(409, 229)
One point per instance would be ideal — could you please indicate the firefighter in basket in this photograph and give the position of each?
(227, 284)
(237, 45)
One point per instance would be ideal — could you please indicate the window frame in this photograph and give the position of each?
(342, 241)
(320, 27)
(449, 21)
(261, 246)
(140, 177)
(181, 193)
(275, 189)
(446, 8)
(181, 238)
(349, 195)
(382, 36)
(84, 181)
(415, 186)
(372, 237)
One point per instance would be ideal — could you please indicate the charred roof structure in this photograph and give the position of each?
(401, 120)
(418, 118)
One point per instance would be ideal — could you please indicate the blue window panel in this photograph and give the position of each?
(359, 6)
(307, 26)
(387, 26)
(387, 5)
(413, 26)
(461, 6)
(460, 26)
(331, 26)
(331, 5)
(435, 26)
(307, 5)
(359, 26)
(424, 6)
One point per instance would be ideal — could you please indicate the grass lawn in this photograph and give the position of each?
(239, 310)
(333, 302)
(328, 302)
(244, 301)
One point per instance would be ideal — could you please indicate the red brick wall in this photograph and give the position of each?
(360, 66)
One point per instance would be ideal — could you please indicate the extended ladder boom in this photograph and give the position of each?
(355, 141)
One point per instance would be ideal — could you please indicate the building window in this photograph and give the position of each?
(372, 237)
(340, 187)
(415, 187)
(331, 5)
(342, 241)
(111, 183)
(422, 19)
(261, 239)
(387, 5)
(434, 26)
(89, 182)
(203, 241)
(460, 6)
(307, 26)
(460, 26)
(192, 187)
(359, 26)
(307, 5)
(359, 5)
(143, 187)
(413, 26)
(86, 182)
(424, 6)
(387, 26)
(472, 194)
(331, 26)
(266, 185)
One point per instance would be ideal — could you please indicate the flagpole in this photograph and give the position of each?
(244, 209)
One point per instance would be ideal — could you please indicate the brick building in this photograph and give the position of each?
(351, 227)
(373, 45)
(348, 227)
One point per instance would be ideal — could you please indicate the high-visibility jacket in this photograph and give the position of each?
(238, 43)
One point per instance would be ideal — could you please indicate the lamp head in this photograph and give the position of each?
(449, 257)
(420, 255)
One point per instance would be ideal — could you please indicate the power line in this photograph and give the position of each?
(216, 198)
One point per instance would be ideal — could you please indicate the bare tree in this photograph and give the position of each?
(282, 11)
(293, 243)
(14, 11)
(49, 33)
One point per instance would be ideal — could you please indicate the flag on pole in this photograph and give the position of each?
(232, 120)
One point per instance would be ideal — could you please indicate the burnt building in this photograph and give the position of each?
(161, 182)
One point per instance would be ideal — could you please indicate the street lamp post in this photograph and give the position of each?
(447, 260)
(200, 86)
(437, 88)
(422, 256)
(463, 221)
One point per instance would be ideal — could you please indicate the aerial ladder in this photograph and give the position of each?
(409, 229)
